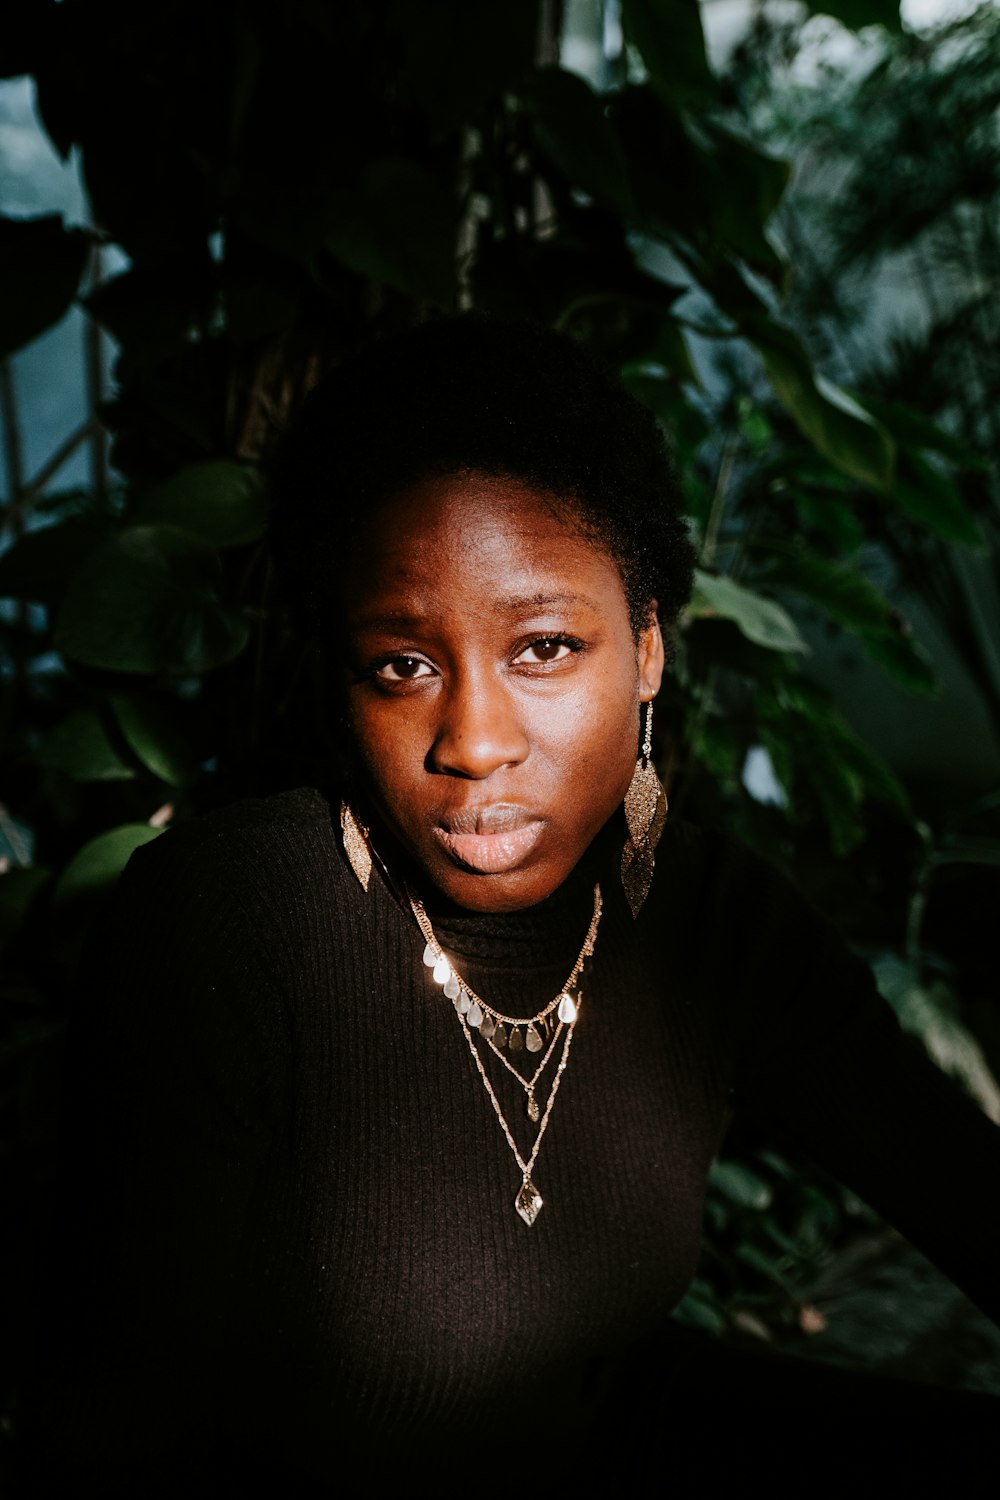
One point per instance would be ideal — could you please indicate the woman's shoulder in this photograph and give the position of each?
(246, 853)
(254, 820)
(708, 868)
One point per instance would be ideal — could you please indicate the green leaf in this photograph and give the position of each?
(740, 1185)
(458, 56)
(719, 746)
(654, 385)
(155, 738)
(697, 184)
(872, 770)
(852, 599)
(41, 264)
(398, 226)
(575, 134)
(761, 620)
(813, 748)
(804, 761)
(683, 422)
(81, 748)
(19, 889)
(99, 863)
(857, 13)
(902, 656)
(765, 1265)
(151, 315)
(669, 36)
(698, 1309)
(27, 38)
(912, 428)
(969, 850)
(745, 186)
(257, 304)
(222, 502)
(930, 496)
(39, 565)
(932, 1014)
(146, 601)
(839, 427)
(831, 515)
(754, 427)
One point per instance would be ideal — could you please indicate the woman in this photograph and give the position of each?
(417, 1080)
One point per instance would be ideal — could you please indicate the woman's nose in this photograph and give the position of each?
(479, 731)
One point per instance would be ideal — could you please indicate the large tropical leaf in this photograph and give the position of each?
(146, 601)
(98, 864)
(80, 747)
(857, 13)
(669, 35)
(41, 263)
(397, 225)
(849, 597)
(574, 132)
(39, 565)
(761, 620)
(222, 502)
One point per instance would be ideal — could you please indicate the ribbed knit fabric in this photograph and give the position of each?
(296, 1205)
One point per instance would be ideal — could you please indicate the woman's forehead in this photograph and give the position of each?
(520, 547)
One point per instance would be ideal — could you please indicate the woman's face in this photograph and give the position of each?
(494, 684)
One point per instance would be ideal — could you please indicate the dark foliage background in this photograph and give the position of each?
(288, 183)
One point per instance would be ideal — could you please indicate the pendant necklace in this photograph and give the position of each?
(505, 1034)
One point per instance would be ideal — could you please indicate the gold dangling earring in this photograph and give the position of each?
(645, 814)
(356, 845)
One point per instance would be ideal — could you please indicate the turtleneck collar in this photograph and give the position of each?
(550, 932)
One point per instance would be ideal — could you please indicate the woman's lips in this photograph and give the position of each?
(491, 853)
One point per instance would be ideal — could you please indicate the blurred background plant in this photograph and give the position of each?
(787, 245)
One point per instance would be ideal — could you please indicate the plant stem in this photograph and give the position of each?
(94, 379)
(14, 449)
(715, 514)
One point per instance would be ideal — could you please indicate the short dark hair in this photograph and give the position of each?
(471, 393)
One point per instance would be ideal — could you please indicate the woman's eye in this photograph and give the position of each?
(403, 669)
(545, 649)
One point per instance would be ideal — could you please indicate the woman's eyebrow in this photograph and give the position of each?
(387, 619)
(529, 604)
(519, 606)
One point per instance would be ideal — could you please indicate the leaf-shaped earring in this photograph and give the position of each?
(356, 845)
(645, 814)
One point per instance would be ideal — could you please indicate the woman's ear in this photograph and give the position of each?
(650, 657)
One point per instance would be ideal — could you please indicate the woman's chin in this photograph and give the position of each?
(496, 890)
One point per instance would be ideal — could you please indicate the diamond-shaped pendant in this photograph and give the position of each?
(528, 1202)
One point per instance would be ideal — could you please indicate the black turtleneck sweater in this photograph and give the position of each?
(295, 1202)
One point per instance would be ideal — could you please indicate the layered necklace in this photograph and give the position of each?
(505, 1035)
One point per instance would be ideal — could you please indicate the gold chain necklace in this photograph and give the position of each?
(502, 1031)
